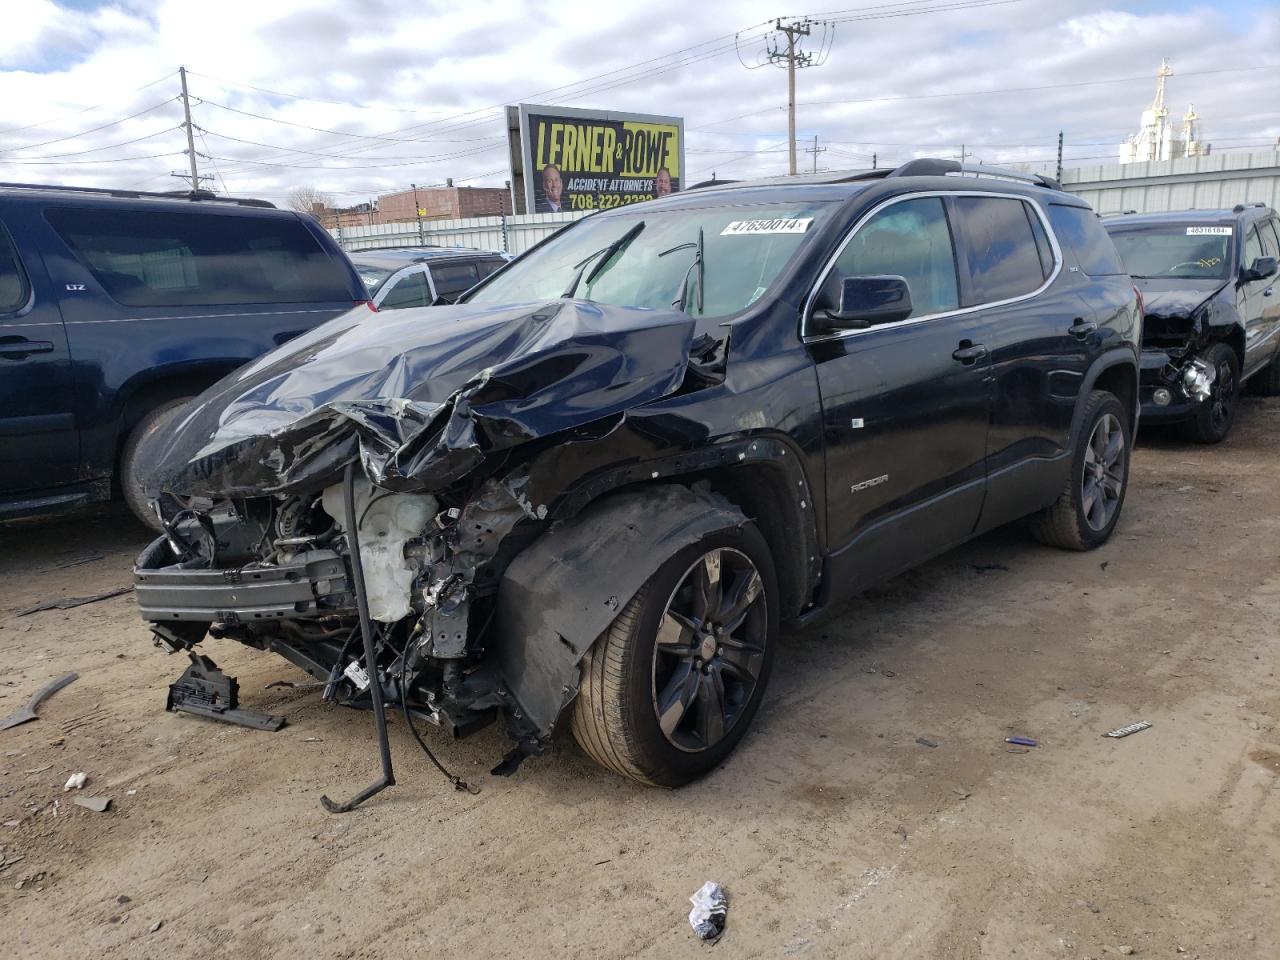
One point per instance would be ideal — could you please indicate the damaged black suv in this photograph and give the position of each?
(1212, 319)
(591, 494)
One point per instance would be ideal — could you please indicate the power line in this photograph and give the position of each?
(84, 110)
(975, 93)
(82, 133)
(150, 156)
(112, 146)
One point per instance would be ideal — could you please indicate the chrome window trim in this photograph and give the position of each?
(807, 337)
(399, 275)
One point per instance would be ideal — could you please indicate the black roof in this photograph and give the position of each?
(1246, 211)
(396, 257)
(189, 196)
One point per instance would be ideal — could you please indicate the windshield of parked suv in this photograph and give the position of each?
(709, 262)
(1183, 251)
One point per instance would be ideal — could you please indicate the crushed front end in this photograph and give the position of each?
(1179, 328)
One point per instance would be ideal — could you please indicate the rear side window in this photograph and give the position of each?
(486, 267)
(1000, 250)
(1043, 247)
(157, 258)
(452, 279)
(1080, 231)
(409, 291)
(14, 289)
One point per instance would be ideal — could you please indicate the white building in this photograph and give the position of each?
(1156, 140)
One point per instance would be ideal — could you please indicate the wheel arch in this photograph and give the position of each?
(1116, 371)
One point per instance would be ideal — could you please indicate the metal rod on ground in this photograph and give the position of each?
(370, 655)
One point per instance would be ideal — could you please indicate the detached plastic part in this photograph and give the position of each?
(205, 691)
(710, 910)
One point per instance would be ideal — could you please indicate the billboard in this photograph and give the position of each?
(581, 160)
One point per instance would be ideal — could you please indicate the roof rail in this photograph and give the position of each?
(934, 167)
(143, 194)
(1241, 207)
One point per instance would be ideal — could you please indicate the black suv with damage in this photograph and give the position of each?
(592, 493)
(1212, 319)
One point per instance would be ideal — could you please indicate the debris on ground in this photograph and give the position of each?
(66, 603)
(925, 742)
(1131, 728)
(1021, 741)
(23, 714)
(989, 567)
(710, 908)
(77, 561)
(96, 804)
(156, 926)
(1126, 950)
(75, 782)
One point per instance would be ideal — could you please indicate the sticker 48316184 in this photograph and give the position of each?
(1208, 231)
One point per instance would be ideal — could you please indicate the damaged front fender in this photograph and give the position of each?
(566, 588)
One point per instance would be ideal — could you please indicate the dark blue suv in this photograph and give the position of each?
(117, 306)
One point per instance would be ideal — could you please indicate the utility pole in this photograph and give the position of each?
(873, 161)
(191, 141)
(1059, 176)
(417, 212)
(815, 150)
(789, 54)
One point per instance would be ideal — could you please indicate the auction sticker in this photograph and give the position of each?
(1208, 231)
(740, 228)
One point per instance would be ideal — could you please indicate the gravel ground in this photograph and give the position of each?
(836, 833)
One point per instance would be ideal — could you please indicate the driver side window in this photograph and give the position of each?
(1252, 247)
(909, 239)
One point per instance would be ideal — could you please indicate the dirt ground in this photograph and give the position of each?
(836, 833)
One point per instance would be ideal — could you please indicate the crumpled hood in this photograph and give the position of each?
(1176, 297)
(422, 396)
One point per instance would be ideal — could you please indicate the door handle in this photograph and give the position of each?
(21, 349)
(1082, 328)
(971, 353)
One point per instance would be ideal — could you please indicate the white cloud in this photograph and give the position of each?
(436, 72)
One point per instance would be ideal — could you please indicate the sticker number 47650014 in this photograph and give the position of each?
(742, 228)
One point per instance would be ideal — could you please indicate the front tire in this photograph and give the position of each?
(1088, 508)
(672, 685)
(135, 459)
(1215, 416)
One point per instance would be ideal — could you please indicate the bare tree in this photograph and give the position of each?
(304, 199)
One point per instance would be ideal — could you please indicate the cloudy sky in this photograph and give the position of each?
(358, 97)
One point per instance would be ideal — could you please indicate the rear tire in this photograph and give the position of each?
(137, 456)
(1214, 417)
(647, 710)
(1266, 382)
(1088, 508)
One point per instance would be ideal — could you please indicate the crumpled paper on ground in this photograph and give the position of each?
(710, 907)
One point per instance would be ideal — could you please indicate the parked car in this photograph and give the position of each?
(595, 493)
(116, 307)
(421, 276)
(1212, 319)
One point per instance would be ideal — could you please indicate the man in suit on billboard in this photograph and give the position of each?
(552, 188)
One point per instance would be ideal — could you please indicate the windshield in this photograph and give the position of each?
(1170, 251)
(372, 276)
(710, 262)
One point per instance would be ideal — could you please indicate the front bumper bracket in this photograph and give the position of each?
(206, 691)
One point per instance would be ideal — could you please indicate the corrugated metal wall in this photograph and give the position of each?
(484, 233)
(1220, 180)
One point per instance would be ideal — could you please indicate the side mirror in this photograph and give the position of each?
(1262, 268)
(865, 302)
